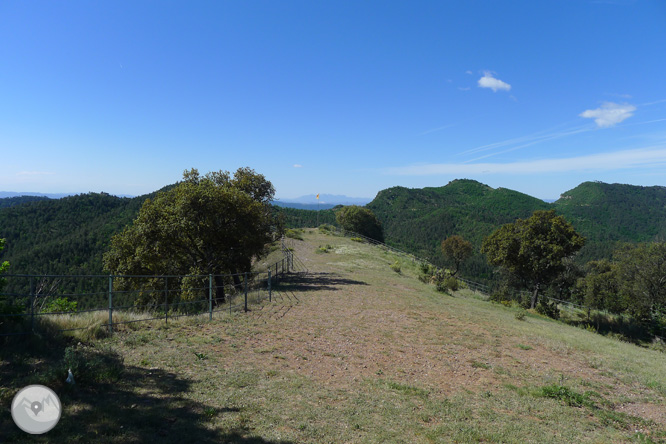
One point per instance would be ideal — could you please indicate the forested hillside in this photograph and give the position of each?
(19, 200)
(63, 236)
(419, 219)
(611, 213)
(69, 235)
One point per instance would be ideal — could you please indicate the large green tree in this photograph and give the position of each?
(360, 220)
(642, 278)
(533, 249)
(457, 250)
(211, 224)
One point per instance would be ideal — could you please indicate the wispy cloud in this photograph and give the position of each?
(437, 129)
(298, 165)
(530, 139)
(636, 158)
(609, 114)
(488, 81)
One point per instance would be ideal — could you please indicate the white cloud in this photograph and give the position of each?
(637, 158)
(488, 81)
(609, 114)
(298, 165)
(469, 72)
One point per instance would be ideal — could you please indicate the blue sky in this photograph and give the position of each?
(339, 97)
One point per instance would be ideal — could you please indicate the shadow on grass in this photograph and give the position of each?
(612, 325)
(315, 282)
(110, 402)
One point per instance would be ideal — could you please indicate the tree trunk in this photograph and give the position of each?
(535, 296)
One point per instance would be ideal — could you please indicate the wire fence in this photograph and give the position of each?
(125, 299)
(656, 330)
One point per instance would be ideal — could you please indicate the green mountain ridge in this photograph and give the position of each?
(69, 235)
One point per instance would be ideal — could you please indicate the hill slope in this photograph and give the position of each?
(354, 352)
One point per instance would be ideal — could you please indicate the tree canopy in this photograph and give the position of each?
(533, 250)
(3, 265)
(457, 250)
(360, 220)
(211, 224)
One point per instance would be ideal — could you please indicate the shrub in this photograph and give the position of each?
(324, 248)
(326, 228)
(521, 315)
(395, 266)
(294, 234)
(565, 394)
(61, 305)
(452, 283)
(357, 239)
(548, 308)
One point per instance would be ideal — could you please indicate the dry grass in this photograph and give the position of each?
(354, 352)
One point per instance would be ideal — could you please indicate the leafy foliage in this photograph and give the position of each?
(457, 250)
(534, 249)
(212, 224)
(361, 220)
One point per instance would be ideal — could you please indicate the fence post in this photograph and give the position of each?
(270, 298)
(277, 275)
(110, 303)
(32, 305)
(210, 297)
(166, 300)
(246, 291)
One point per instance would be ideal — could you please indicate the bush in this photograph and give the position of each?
(326, 228)
(294, 234)
(548, 308)
(452, 283)
(521, 315)
(396, 266)
(61, 305)
(323, 248)
(566, 395)
(357, 239)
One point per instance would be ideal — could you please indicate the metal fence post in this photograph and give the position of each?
(246, 291)
(210, 297)
(110, 304)
(270, 298)
(32, 305)
(166, 300)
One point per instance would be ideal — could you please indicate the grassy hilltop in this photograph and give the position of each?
(353, 352)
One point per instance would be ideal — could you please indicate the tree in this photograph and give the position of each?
(533, 249)
(360, 220)
(212, 224)
(457, 250)
(642, 278)
(600, 286)
(3, 265)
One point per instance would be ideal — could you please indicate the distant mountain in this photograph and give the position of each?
(19, 200)
(69, 235)
(4, 194)
(327, 199)
(302, 206)
(610, 213)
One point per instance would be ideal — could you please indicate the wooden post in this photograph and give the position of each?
(270, 298)
(110, 304)
(166, 300)
(210, 297)
(246, 291)
(32, 305)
